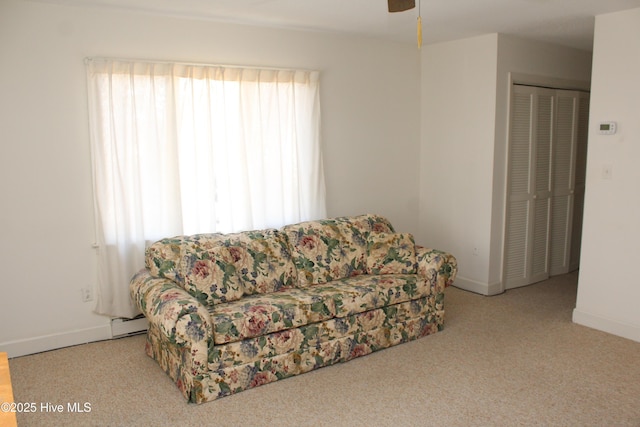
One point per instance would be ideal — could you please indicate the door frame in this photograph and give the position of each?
(516, 78)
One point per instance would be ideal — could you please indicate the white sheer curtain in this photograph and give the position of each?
(183, 149)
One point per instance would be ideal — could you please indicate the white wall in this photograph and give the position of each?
(456, 160)
(465, 96)
(608, 288)
(370, 113)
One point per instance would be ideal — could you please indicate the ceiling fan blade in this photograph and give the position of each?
(401, 5)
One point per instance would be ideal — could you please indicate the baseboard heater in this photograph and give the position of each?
(125, 327)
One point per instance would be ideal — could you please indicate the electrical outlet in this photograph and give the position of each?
(87, 294)
(475, 251)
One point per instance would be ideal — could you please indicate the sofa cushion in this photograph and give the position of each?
(313, 335)
(259, 315)
(219, 268)
(256, 315)
(268, 265)
(210, 272)
(391, 253)
(162, 259)
(332, 249)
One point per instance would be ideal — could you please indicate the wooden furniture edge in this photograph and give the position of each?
(7, 410)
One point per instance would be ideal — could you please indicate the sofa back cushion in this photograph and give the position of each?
(218, 268)
(332, 249)
(391, 253)
(162, 259)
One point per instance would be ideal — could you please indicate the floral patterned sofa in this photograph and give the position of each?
(228, 312)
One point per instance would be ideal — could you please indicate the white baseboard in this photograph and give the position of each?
(478, 287)
(55, 341)
(603, 324)
(123, 327)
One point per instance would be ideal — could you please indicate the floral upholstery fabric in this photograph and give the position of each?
(218, 268)
(263, 314)
(286, 309)
(446, 270)
(332, 249)
(249, 363)
(391, 253)
(163, 258)
(312, 335)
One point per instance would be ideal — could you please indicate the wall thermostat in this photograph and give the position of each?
(607, 128)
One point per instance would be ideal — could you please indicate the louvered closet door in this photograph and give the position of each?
(529, 189)
(580, 179)
(564, 162)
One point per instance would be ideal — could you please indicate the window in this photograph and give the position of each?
(184, 149)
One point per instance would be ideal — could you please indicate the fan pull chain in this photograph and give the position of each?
(419, 25)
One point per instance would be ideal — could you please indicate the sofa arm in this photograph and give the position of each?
(442, 262)
(181, 318)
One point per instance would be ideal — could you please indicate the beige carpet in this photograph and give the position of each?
(512, 359)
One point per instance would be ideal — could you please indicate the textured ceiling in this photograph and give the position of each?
(565, 22)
